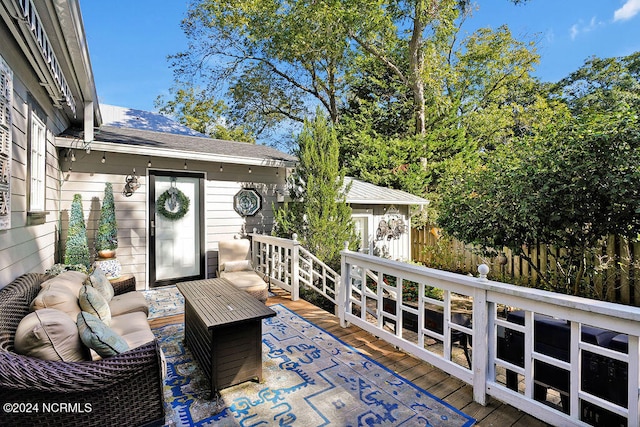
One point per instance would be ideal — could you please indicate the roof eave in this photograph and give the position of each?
(110, 147)
(72, 27)
(387, 202)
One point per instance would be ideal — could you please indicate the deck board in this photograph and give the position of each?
(422, 374)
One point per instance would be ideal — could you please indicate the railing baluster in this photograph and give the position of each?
(487, 328)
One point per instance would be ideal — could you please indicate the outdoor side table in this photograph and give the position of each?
(223, 330)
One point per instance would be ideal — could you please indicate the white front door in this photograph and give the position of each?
(176, 243)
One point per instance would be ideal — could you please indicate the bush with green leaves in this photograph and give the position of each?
(61, 268)
(568, 188)
(107, 235)
(77, 248)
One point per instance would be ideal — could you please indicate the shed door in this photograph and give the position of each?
(176, 246)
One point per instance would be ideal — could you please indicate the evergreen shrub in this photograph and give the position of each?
(77, 248)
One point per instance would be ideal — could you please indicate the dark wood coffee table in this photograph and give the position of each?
(223, 330)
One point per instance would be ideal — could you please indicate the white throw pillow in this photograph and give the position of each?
(231, 266)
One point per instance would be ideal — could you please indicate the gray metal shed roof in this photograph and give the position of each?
(365, 193)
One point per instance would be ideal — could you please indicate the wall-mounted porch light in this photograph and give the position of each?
(130, 184)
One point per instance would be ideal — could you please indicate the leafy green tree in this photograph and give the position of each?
(568, 187)
(107, 234)
(318, 214)
(199, 111)
(76, 247)
(609, 84)
(423, 30)
(486, 95)
(275, 59)
(278, 59)
(490, 87)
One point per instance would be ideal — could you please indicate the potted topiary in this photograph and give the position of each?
(107, 234)
(76, 248)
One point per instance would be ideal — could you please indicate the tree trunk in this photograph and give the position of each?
(416, 65)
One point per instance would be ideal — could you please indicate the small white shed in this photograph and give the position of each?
(382, 217)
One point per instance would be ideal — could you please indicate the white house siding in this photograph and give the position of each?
(28, 246)
(88, 178)
(397, 249)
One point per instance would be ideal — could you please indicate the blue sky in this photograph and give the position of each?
(129, 41)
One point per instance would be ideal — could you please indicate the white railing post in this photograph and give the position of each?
(295, 268)
(255, 246)
(344, 286)
(634, 380)
(489, 332)
(481, 334)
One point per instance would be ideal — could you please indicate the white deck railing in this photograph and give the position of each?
(565, 360)
(289, 265)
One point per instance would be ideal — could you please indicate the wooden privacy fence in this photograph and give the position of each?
(617, 264)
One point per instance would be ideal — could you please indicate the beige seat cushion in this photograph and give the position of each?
(248, 281)
(133, 328)
(233, 250)
(128, 302)
(129, 323)
(71, 280)
(138, 338)
(50, 334)
(231, 266)
(57, 296)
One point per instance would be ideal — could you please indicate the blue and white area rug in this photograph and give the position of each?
(310, 378)
(164, 301)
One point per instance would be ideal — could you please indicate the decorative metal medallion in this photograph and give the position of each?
(247, 202)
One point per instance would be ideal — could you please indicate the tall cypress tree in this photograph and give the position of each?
(107, 235)
(318, 213)
(77, 248)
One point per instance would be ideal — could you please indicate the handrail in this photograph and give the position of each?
(501, 325)
(289, 265)
(512, 359)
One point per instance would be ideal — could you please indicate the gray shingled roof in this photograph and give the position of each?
(183, 143)
(366, 193)
(189, 143)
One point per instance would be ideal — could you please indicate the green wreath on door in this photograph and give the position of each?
(176, 202)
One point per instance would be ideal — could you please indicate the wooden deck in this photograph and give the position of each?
(431, 379)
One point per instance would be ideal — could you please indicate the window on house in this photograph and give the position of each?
(37, 164)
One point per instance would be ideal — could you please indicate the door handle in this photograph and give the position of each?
(152, 228)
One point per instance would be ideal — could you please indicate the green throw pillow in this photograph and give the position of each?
(100, 282)
(92, 301)
(99, 337)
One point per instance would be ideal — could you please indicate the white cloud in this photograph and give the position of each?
(630, 9)
(582, 27)
(550, 36)
(574, 31)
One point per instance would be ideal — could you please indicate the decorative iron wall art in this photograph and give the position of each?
(247, 202)
(391, 227)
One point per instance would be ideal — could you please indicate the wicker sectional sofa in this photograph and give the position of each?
(125, 389)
